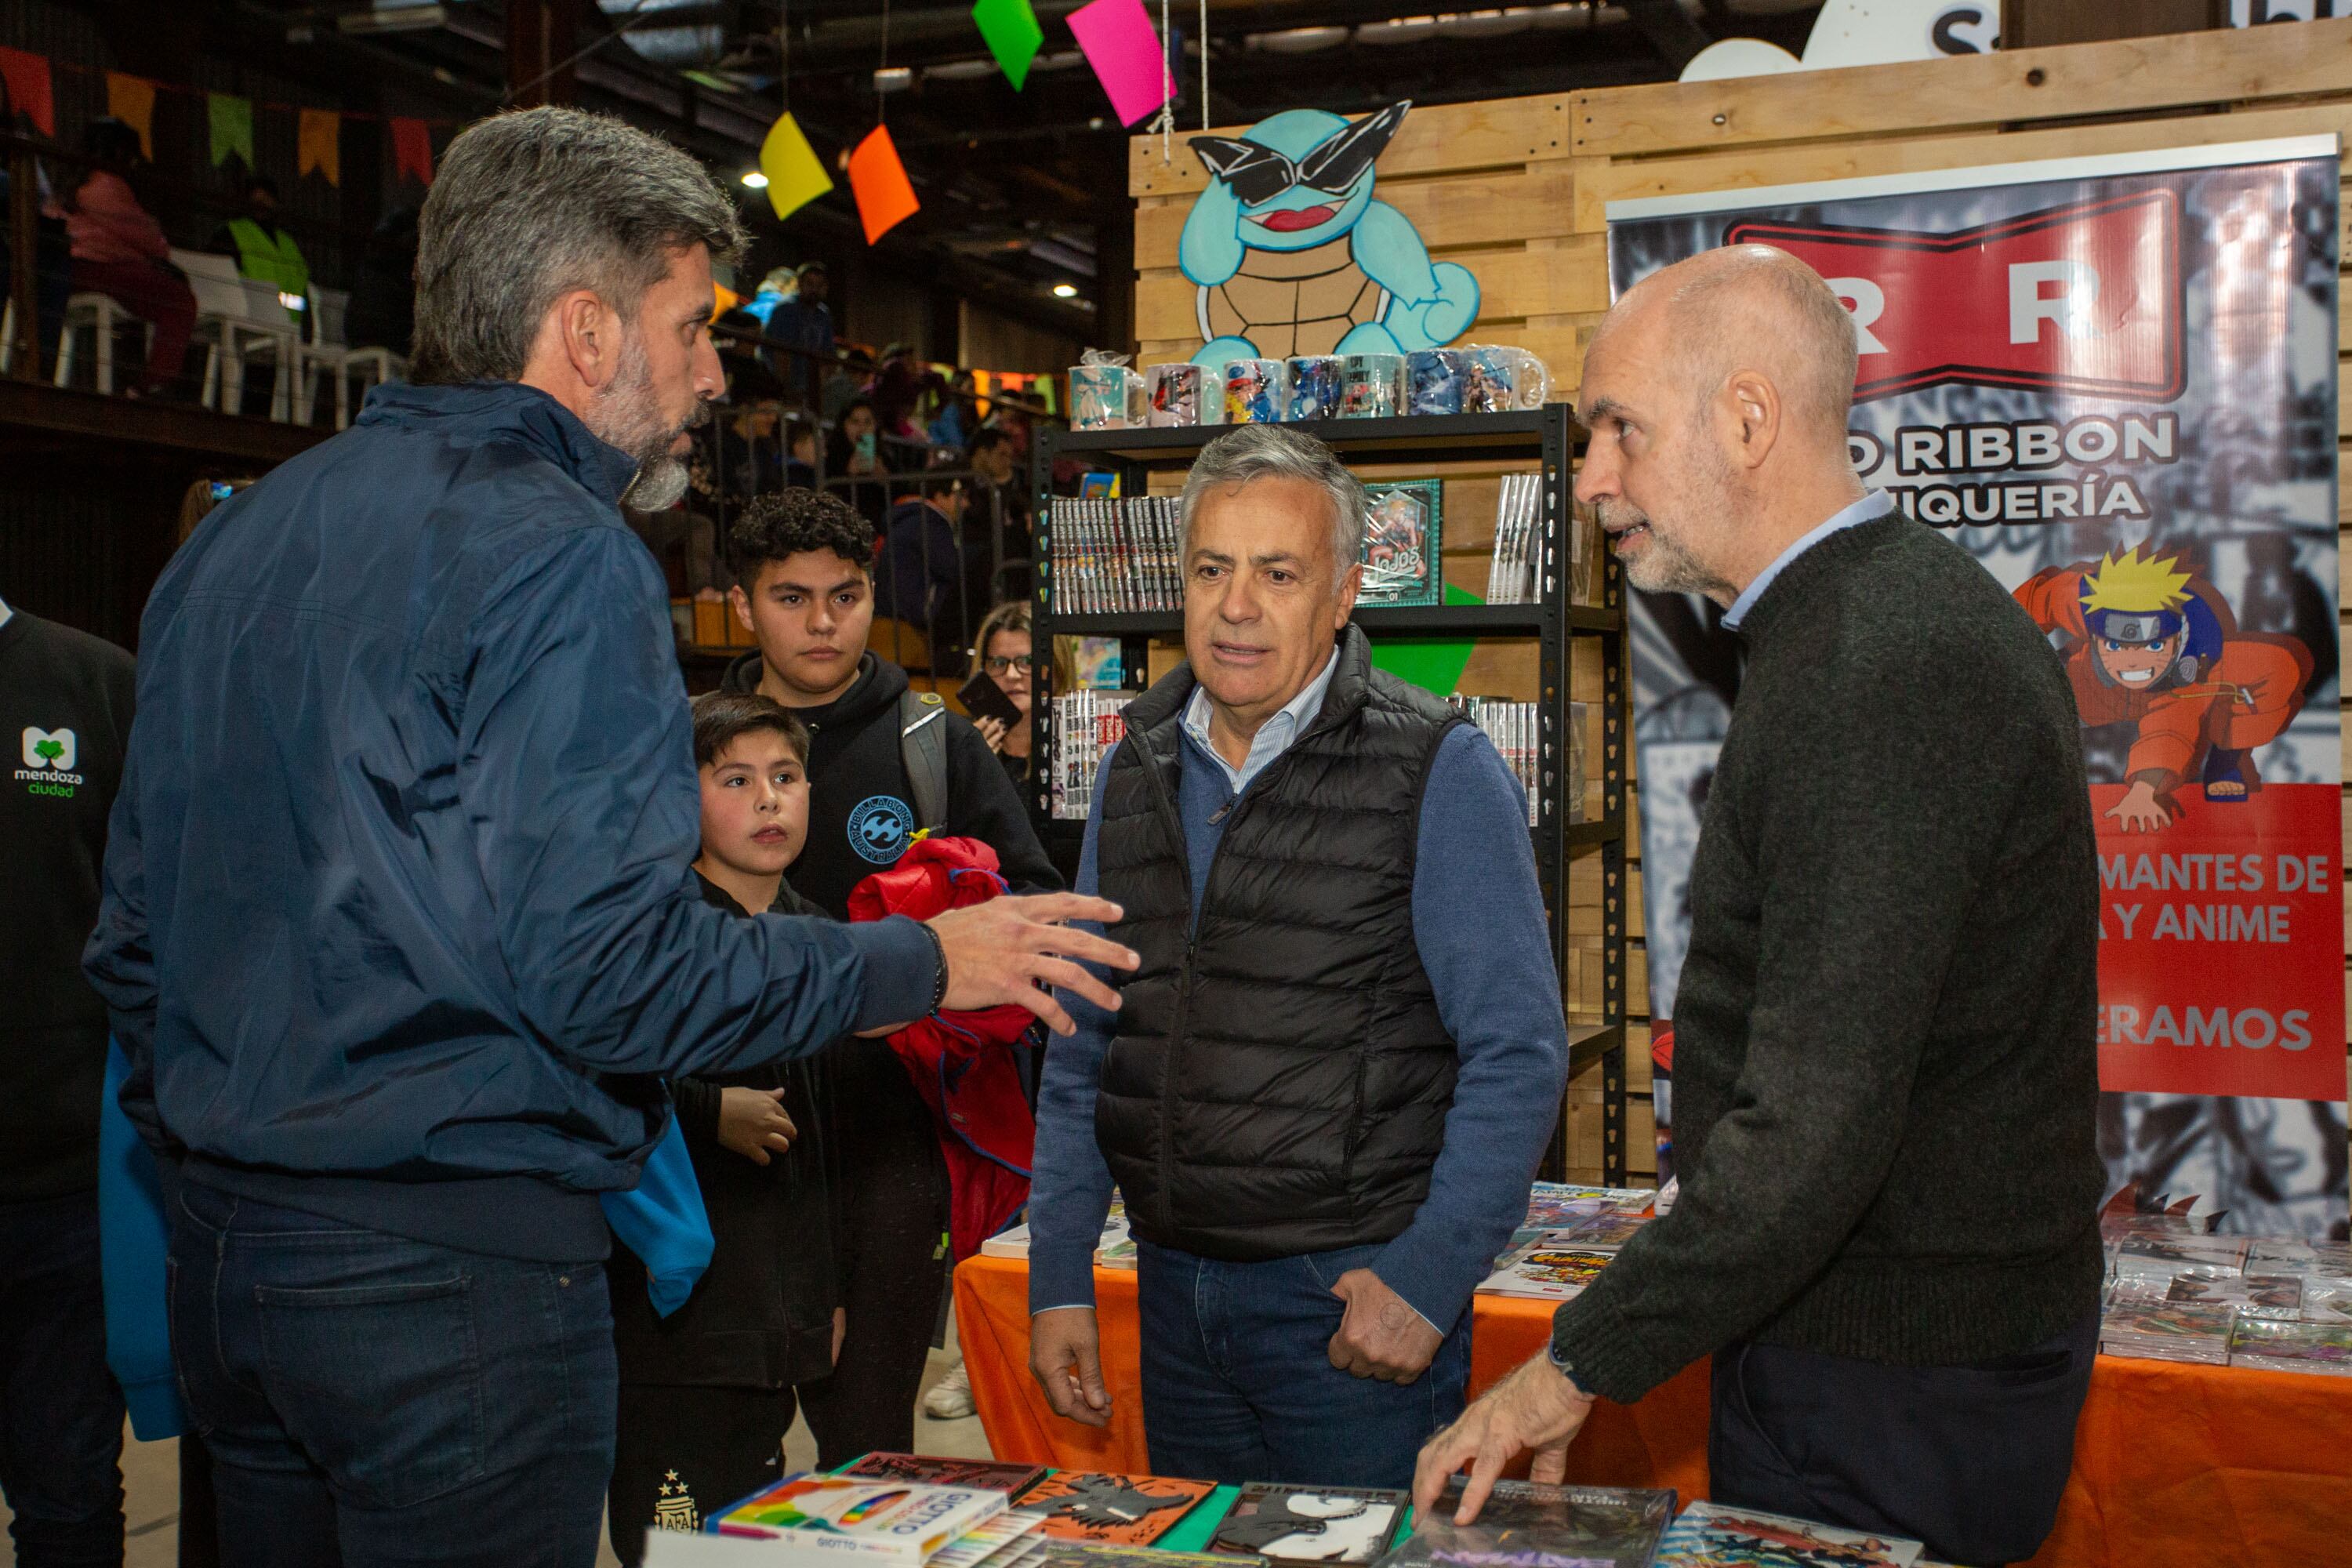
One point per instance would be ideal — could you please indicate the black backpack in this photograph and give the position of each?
(923, 749)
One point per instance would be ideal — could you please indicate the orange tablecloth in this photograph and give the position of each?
(2175, 1467)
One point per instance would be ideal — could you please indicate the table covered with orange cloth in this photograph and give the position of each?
(2175, 1467)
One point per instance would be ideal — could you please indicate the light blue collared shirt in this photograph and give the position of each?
(1272, 737)
(1869, 509)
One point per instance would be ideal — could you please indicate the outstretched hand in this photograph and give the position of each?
(1535, 1407)
(1004, 949)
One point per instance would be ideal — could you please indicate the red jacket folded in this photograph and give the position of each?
(962, 1063)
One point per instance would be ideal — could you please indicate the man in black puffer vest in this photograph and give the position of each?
(1328, 1082)
(1885, 1058)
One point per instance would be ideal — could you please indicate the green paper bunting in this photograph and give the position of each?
(1013, 36)
(232, 121)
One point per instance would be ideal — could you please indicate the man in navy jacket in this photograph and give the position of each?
(398, 931)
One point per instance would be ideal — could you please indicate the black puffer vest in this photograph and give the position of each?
(1280, 1077)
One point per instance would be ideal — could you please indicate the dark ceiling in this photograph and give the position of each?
(1021, 191)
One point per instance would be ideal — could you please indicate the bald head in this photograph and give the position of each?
(1754, 308)
(1716, 393)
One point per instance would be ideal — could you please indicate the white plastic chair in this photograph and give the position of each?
(220, 314)
(329, 352)
(100, 314)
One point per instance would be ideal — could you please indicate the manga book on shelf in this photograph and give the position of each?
(1292, 1524)
(1403, 527)
(1095, 1505)
(1710, 1536)
(1525, 1525)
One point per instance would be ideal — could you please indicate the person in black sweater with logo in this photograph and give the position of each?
(707, 1392)
(1885, 1058)
(885, 762)
(64, 710)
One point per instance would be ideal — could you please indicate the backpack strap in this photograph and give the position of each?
(923, 748)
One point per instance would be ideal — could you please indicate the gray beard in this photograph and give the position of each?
(659, 484)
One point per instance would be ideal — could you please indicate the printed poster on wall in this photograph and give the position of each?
(2113, 381)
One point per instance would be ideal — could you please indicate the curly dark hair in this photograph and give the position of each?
(793, 520)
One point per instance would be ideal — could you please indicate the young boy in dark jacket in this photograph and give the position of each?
(804, 560)
(707, 1393)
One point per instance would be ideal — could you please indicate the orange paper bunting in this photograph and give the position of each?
(885, 196)
(318, 145)
(132, 99)
(412, 149)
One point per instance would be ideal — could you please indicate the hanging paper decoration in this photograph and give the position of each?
(319, 144)
(886, 198)
(1124, 50)
(26, 76)
(132, 99)
(795, 178)
(412, 149)
(232, 126)
(1010, 30)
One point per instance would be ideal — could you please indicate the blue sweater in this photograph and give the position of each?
(1478, 922)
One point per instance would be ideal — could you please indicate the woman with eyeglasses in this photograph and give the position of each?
(1002, 654)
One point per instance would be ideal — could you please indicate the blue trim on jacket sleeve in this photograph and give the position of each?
(1479, 924)
(662, 1220)
(132, 1243)
(1069, 1192)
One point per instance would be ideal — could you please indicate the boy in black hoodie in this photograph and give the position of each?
(707, 1393)
(805, 560)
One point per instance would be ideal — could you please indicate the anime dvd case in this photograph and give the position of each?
(1403, 549)
(2163, 1331)
(1526, 1524)
(2270, 1344)
(929, 1470)
(1295, 1524)
(1545, 1271)
(1710, 1536)
(1123, 1510)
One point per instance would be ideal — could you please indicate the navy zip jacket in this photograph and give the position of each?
(398, 924)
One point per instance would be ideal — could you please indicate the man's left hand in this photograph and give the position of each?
(1382, 1336)
(1536, 1408)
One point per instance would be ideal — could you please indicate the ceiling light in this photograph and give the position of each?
(756, 180)
(399, 17)
(1066, 291)
(894, 79)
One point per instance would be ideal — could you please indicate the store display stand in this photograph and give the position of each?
(1549, 435)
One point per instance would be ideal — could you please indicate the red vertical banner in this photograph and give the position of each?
(412, 149)
(25, 75)
(2112, 381)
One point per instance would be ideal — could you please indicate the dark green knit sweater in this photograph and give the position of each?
(1886, 1060)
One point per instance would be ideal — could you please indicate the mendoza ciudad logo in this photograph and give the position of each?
(49, 762)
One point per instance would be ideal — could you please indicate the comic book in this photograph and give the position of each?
(2144, 1256)
(1525, 1525)
(1336, 1524)
(2271, 1345)
(2310, 1260)
(1709, 1536)
(1603, 1232)
(1545, 1271)
(833, 1518)
(1043, 1551)
(2280, 1296)
(1125, 1511)
(925, 1469)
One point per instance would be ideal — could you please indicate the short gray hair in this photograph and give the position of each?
(532, 205)
(1273, 452)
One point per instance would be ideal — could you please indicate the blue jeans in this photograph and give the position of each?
(1238, 1384)
(60, 1411)
(370, 1400)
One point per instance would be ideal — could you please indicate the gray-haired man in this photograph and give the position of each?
(398, 927)
(1329, 1083)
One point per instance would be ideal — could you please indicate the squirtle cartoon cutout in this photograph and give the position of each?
(1294, 257)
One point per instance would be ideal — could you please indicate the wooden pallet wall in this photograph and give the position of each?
(1516, 189)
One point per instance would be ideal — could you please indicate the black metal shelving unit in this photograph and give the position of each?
(1549, 435)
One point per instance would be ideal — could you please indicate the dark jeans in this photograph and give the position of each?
(1238, 1384)
(60, 1411)
(1971, 1459)
(370, 1400)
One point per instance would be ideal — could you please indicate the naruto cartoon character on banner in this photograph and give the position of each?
(2112, 382)
(1294, 257)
